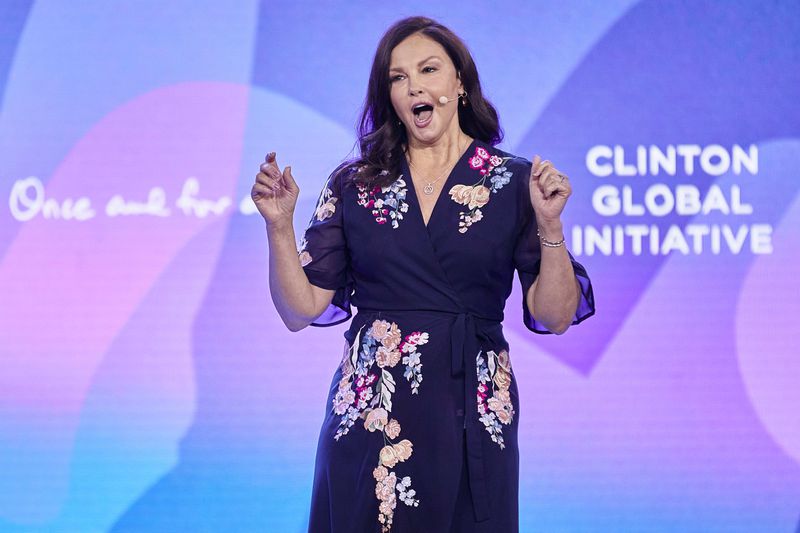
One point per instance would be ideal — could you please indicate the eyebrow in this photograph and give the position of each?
(418, 64)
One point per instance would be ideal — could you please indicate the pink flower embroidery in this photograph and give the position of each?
(386, 357)
(380, 473)
(380, 328)
(396, 453)
(477, 195)
(376, 419)
(383, 347)
(392, 338)
(417, 338)
(326, 205)
(392, 429)
(475, 162)
(494, 375)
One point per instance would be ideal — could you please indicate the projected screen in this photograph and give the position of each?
(146, 380)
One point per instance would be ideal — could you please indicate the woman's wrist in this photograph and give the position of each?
(550, 244)
(279, 227)
(550, 231)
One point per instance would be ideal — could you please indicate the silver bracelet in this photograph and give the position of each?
(549, 244)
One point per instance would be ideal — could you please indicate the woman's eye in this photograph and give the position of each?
(396, 78)
(429, 69)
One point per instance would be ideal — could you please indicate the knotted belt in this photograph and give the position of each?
(464, 351)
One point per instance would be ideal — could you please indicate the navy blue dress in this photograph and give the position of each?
(421, 427)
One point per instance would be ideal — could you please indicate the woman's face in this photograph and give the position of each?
(420, 72)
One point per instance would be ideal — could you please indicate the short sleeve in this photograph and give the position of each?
(323, 252)
(527, 258)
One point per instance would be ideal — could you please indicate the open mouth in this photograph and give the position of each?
(422, 114)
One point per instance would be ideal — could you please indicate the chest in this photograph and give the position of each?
(428, 199)
(463, 225)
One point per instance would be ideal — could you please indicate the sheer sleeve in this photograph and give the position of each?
(527, 257)
(323, 252)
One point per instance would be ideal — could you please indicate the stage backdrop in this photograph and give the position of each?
(146, 381)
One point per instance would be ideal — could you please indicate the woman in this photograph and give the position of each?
(422, 234)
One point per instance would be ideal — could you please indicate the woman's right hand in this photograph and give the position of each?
(275, 193)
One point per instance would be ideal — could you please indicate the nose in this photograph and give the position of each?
(413, 89)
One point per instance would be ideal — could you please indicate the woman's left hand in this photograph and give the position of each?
(549, 191)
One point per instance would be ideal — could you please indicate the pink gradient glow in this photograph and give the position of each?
(90, 277)
(769, 363)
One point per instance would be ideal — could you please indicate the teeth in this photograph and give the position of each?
(418, 108)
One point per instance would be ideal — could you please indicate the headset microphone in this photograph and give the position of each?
(444, 100)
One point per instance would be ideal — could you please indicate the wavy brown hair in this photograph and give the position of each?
(380, 135)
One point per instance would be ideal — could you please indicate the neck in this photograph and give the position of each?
(438, 154)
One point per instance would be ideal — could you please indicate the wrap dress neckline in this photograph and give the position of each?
(406, 171)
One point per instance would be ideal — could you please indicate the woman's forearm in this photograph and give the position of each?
(553, 298)
(292, 294)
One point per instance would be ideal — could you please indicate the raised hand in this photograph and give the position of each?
(549, 192)
(275, 193)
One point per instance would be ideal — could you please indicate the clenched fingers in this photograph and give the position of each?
(269, 181)
(548, 179)
(259, 189)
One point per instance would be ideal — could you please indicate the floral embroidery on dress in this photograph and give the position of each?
(412, 361)
(494, 376)
(326, 205)
(302, 253)
(382, 345)
(388, 207)
(477, 195)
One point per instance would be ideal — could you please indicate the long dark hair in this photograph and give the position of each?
(380, 135)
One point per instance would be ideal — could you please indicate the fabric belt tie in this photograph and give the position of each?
(465, 347)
